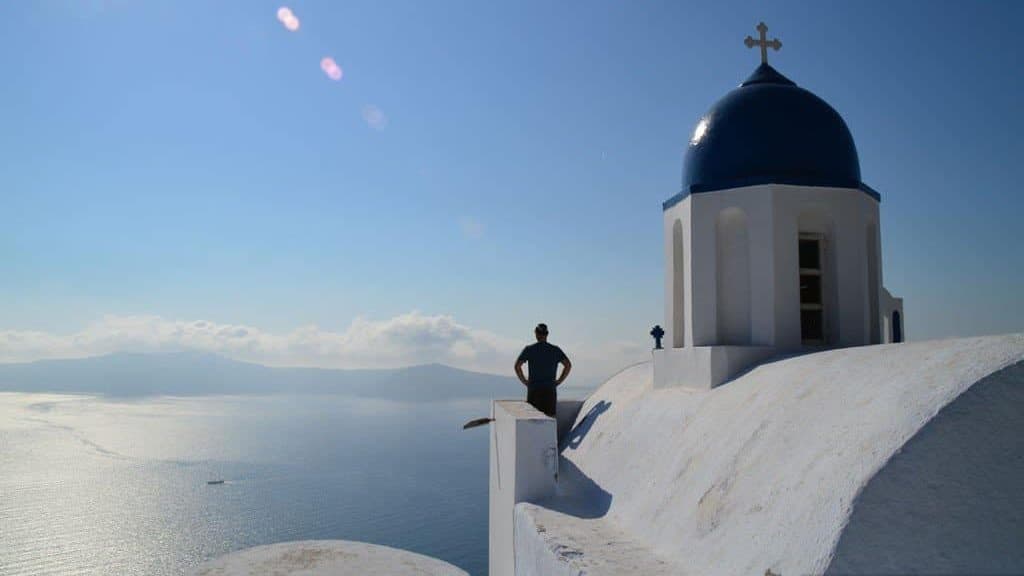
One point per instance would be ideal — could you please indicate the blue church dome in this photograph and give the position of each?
(769, 130)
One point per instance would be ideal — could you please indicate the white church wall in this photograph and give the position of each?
(760, 216)
(704, 367)
(892, 314)
(734, 254)
(852, 264)
(703, 317)
(732, 285)
(874, 281)
(733, 296)
(840, 215)
(785, 237)
(677, 274)
(523, 466)
(950, 501)
(678, 287)
(762, 473)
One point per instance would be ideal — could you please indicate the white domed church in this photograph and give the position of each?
(773, 244)
(785, 428)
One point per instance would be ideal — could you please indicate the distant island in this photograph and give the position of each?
(197, 373)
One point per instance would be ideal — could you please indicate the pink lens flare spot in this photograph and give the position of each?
(288, 18)
(331, 68)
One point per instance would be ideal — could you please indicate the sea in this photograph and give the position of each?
(98, 485)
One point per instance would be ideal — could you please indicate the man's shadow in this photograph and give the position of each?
(577, 494)
(575, 437)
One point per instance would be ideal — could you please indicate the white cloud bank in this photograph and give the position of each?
(403, 340)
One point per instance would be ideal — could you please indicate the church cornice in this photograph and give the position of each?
(758, 181)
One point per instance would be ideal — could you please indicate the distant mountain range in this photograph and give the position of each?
(195, 373)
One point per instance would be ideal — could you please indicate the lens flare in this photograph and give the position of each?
(331, 68)
(374, 117)
(288, 18)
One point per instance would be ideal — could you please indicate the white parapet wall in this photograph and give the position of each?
(524, 468)
(704, 367)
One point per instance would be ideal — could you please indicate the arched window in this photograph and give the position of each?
(678, 287)
(733, 277)
(897, 326)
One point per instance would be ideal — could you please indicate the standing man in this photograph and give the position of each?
(543, 359)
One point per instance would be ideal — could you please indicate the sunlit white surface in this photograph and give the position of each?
(763, 473)
(699, 131)
(326, 558)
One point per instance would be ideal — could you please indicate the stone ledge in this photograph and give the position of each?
(554, 543)
(705, 367)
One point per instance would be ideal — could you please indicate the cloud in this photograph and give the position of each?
(412, 338)
(374, 117)
(331, 68)
(288, 18)
(403, 340)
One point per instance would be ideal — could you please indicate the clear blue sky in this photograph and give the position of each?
(190, 160)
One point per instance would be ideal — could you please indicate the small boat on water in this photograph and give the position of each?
(214, 481)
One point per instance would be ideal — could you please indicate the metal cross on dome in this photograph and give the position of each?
(763, 42)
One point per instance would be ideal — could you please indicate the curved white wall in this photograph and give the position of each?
(951, 501)
(762, 473)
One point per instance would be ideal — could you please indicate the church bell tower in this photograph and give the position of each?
(772, 246)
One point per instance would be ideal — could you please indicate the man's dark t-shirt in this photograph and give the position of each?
(543, 359)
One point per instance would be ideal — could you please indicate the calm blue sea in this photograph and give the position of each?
(101, 486)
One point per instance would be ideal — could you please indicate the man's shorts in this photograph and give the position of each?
(543, 398)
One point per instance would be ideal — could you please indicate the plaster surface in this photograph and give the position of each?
(733, 275)
(327, 558)
(760, 474)
(568, 534)
(705, 367)
(523, 466)
(952, 496)
(552, 543)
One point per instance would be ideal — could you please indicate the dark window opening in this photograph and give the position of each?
(810, 289)
(810, 255)
(812, 301)
(811, 329)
